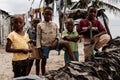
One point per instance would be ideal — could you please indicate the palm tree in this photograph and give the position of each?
(83, 4)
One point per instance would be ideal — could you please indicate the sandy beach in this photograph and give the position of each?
(55, 61)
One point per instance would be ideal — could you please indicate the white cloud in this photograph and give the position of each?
(17, 6)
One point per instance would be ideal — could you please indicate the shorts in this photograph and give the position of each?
(104, 39)
(46, 49)
(20, 67)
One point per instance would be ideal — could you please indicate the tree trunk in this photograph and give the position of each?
(64, 15)
(106, 26)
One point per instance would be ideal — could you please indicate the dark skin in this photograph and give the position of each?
(92, 13)
(34, 24)
(70, 26)
(18, 24)
(37, 61)
(48, 17)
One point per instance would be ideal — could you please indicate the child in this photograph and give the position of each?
(17, 44)
(32, 36)
(93, 32)
(71, 36)
(47, 38)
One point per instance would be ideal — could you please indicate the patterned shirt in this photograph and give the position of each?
(47, 32)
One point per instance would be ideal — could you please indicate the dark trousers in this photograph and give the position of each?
(19, 67)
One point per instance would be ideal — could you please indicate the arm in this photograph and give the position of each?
(80, 26)
(97, 36)
(54, 43)
(9, 49)
(74, 39)
(38, 36)
(57, 32)
(101, 31)
(38, 40)
(84, 31)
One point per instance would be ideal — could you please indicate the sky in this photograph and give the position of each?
(17, 6)
(23, 6)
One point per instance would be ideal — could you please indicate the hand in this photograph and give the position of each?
(89, 25)
(54, 43)
(95, 39)
(76, 38)
(31, 41)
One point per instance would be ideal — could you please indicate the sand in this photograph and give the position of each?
(55, 61)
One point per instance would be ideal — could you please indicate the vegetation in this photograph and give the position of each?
(84, 4)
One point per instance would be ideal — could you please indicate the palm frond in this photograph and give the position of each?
(109, 7)
(113, 1)
(101, 13)
(82, 4)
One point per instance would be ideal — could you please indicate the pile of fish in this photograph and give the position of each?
(105, 66)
